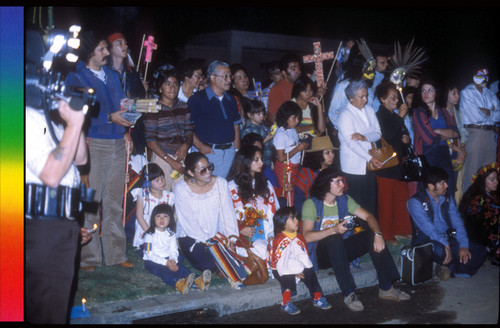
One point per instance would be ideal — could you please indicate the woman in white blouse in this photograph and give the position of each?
(358, 128)
(204, 208)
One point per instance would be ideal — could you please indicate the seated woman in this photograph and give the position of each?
(480, 209)
(204, 208)
(316, 159)
(254, 201)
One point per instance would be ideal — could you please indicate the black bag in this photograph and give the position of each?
(413, 165)
(416, 264)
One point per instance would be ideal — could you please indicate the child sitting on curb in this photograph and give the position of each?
(161, 253)
(290, 261)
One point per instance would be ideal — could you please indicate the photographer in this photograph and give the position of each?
(435, 219)
(324, 232)
(51, 240)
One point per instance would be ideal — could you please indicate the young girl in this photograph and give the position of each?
(151, 194)
(288, 147)
(255, 113)
(290, 261)
(161, 253)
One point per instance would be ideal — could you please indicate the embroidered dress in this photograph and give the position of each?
(149, 202)
(264, 227)
(289, 255)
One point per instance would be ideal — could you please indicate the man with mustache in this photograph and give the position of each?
(107, 151)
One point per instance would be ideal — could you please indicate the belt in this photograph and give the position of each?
(221, 146)
(481, 127)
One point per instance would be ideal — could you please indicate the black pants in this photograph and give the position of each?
(310, 279)
(50, 247)
(337, 253)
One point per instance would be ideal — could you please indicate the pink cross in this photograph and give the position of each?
(150, 46)
(318, 57)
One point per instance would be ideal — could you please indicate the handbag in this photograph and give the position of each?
(382, 154)
(416, 264)
(228, 262)
(414, 165)
(257, 266)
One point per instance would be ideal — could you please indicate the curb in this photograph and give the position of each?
(222, 299)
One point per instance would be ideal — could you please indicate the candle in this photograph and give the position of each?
(387, 160)
(83, 304)
(93, 229)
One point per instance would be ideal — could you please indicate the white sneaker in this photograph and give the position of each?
(353, 303)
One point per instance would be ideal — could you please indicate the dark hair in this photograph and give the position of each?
(313, 160)
(433, 175)
(280, 217)
(409, 90)
(287, 59)
(271, 67)
(287, 109)
(250, 138)
(241, 174)
(443, 99)
(187, 67)
(89, 40)
(321, 185)
(478, 187)
(419, 102)
(301, 84)
(162, 209)
(161, 75)
(237, 67)
(253, 106)
(382, 90)
(152, 170)
(190, 162)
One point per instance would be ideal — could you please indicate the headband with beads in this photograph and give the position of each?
(484, 169)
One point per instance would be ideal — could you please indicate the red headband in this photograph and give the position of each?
(115, 36)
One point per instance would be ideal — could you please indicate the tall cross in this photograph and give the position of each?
(318, 57)
(150, 46)
(258, 93)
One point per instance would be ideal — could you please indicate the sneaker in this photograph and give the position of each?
(290, 308)
(462, 275)
(203, 281)
(184, 285)
(442, 272)
(353, 302)
(393, 294)
(322, 303)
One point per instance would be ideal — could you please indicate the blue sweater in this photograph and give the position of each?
(108, 97)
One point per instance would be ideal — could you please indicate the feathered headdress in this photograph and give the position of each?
(371, 63)
(405, 63)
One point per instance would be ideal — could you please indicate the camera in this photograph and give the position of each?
(351, 223)
(44, 80)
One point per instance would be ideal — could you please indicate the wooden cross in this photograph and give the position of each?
(318, 57)
(150, 46)
(258, 93)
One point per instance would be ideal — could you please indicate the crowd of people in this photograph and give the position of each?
(282, 171)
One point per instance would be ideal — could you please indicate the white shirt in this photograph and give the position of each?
(161, 246)
(470, 102)
(287, 139)
(354, 154)
(39, 144)
(201, 216)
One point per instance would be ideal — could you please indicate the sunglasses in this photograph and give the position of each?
(204, 170)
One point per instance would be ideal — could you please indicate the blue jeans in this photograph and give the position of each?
(197, 255)
(478, 254)
(169, 277)
(222, 159)
(310, 279)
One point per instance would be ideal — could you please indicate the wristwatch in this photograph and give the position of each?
(378, 234)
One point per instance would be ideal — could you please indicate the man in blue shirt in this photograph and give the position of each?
(216, 119)
(435, 219)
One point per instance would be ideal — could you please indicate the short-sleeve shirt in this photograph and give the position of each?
(330, 212)
(287, 139)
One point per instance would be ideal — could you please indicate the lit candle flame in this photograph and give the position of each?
(94, 229)
(95, 224)
(393, 155)
(83, 304)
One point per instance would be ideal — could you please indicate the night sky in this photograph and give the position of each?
(456, 38)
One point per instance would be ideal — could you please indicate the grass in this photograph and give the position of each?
(114, 283)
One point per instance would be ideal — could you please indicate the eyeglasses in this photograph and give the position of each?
(204, 170)
(338, 181)
(198, 76)
(225, 77)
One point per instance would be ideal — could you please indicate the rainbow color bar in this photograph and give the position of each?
(12, 163)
